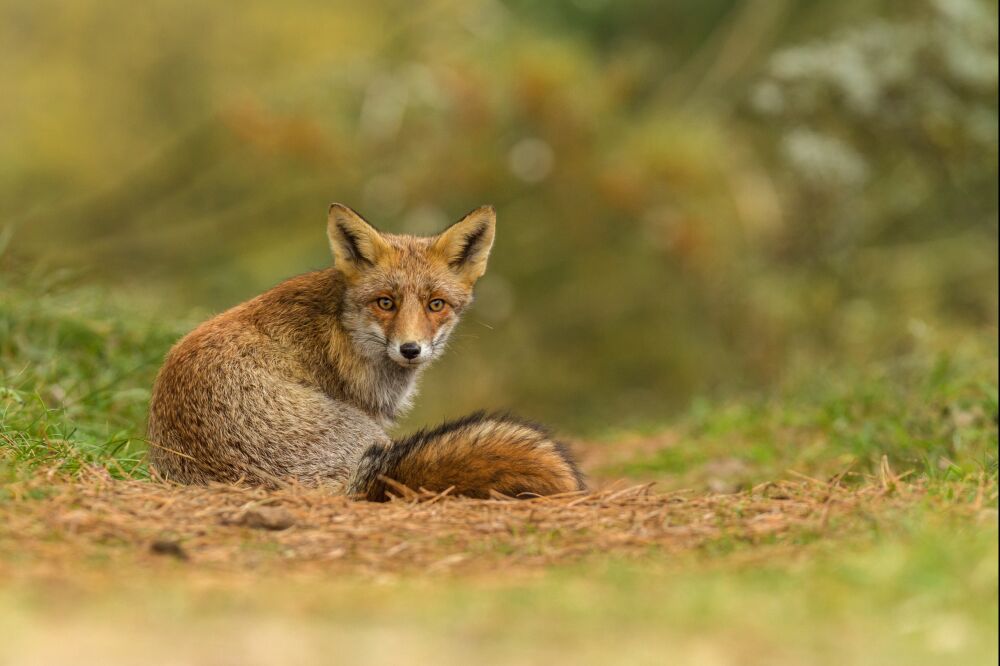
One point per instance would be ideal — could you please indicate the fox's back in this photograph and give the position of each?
(272, 335)
(243, 394)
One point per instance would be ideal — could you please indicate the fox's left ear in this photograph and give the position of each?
(466, 244)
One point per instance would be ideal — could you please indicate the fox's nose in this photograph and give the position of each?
(409, 350)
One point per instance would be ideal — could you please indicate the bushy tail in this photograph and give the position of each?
(475, 455)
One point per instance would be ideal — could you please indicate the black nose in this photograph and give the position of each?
(409, 350)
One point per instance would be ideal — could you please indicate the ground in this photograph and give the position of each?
(845, 516)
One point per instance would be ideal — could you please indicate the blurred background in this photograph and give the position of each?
(694, 197)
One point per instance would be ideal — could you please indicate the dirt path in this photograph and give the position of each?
(49, 525)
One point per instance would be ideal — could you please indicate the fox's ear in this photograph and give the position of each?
(356, 244)
(466, 244)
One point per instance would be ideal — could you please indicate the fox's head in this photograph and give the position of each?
(404, 294)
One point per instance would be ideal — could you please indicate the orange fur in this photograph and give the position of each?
(301, 382)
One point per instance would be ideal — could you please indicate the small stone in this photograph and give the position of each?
(168, 547)
(76, 519)
(723, 486)
(265, 518)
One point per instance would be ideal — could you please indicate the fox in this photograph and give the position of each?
(303, 383)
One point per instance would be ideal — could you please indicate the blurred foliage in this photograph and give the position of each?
(692, 198)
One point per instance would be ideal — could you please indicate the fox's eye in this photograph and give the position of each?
(385, 303)
(436, 305)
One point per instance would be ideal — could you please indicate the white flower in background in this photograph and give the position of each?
(823, 159)
(919, 88)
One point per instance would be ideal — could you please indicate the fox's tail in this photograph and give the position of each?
(475, 455)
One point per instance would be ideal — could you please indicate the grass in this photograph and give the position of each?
(850, 516)
(76, 367)
(931, 412)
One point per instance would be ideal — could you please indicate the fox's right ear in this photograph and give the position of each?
(356, 245)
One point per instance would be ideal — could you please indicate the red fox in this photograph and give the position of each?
(301, 382)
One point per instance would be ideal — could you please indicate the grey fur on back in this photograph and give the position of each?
(251, 394)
